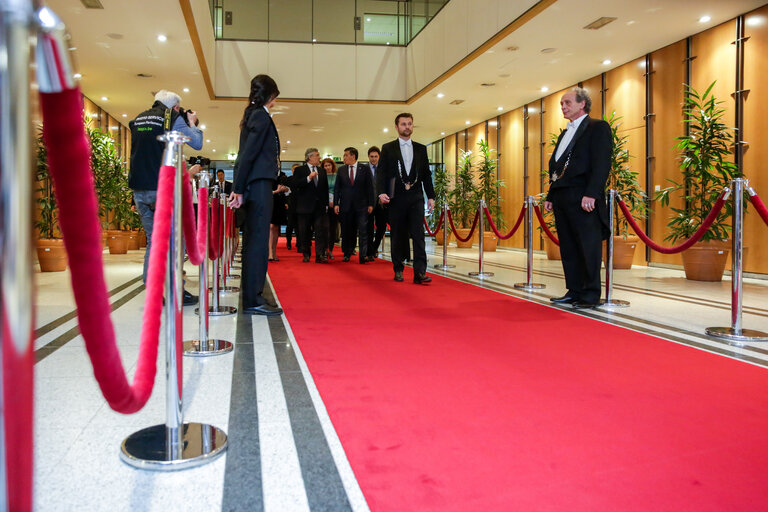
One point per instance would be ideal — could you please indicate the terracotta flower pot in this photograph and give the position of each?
(464, 233)
(52, 255)
(489, 242)
(142, 239)
(705, 261)
(623, 251)
(553, 251)
(117, 242)
(439, 237)
(133, 240)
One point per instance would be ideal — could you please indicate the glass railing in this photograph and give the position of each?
(382, 22)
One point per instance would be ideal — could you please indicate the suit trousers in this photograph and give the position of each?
(319, 222)
(406, 219)
(581, 243)
(378, 221)
(354, 224)
(257, 216)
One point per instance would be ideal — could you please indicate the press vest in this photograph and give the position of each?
(146, 150)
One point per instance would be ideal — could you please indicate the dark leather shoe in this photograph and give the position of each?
(305, 259)
(264, 309)
(189, 299)
(322, 260)
(370, 259)
(580, 304)
(346, 258)
(421, 279)
(399, 277)
(363, 260)
(565, 299)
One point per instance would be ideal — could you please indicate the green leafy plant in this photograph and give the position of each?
(463, 198)
(48, 223)
(489, 185)
(624, 180)
(110, 178)
(706, 168)
(549, 217)
(441, 180)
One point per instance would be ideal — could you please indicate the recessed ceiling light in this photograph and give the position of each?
(631, 22)
(186, 89)
(125, 115)
(499, 108)
(606, 62)
(365, 143)
(207, 140)
(466, 122)
(104, 98)
(162, 38)
(202, 127)
(213, 150)
(77, 76)
(440, 95)
(544, 88)
(287, 142)
(704, 19)
(314, 40)
(282, 151)
(387, 42)
(367, 19)
(386, 130)
(442, 133)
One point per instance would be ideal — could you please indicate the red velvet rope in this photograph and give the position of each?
(213, 247)
(69, 162)
(471, 231)
(514, 228)
(544, 225)
(760, 207)
(194, 234)
(439, 225)
(685, 245)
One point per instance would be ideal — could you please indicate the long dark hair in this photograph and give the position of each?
(263, 89)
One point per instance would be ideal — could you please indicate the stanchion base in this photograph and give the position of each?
(233, 276)
(219, 311)
(730, 334)
(212, 348)
(235, 267)
(226, 289)
(531, 286)
(443, 267)
(480, 275)
(613, 303)
(147, 448)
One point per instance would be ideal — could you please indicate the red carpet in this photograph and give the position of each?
(449, 397)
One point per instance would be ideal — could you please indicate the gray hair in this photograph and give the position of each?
(583, 95)
(168, 98)
(308, 152)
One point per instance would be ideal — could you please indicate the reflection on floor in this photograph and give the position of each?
(253, 393)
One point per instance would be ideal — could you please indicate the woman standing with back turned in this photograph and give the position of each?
(255, 173)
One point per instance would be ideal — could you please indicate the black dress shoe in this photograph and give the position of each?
(580, 304)
(264, 309)
(346, 258)
(565, 299)
(189, 299)
(399, 277)
(370, 259)
(322, 260)
(421, 279)
(305, 259)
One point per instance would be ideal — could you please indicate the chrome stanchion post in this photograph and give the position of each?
(529, 284)
(216, 309)
(609, 301)
(480, 273)
(174, 445)
(445, 265)
(230, 245)
(205, 346)
(223, 256)
(736, 332)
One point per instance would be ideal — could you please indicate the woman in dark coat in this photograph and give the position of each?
(256, 170)
(333, 220)
(279, 212)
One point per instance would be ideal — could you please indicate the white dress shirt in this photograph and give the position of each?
(406, 148)
(570, 131)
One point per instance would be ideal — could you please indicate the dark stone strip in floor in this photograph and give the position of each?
(322, 482)
(58, 342)
(45, 329)
(243, 486)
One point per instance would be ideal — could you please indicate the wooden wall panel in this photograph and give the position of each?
(716, 61)
(533, 179)
(511, 170)
(625, 94)
(594, 87)
(755, 126)
(450, 154)
(667, 77)
(475, 134)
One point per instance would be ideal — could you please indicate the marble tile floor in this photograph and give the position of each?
(284, 454)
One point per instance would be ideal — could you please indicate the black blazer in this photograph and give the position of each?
(387, 174)
(590, 159)
(257, 157)
(358, 196)
(310, 198)
(227, 187)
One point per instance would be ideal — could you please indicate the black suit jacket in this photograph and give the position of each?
(356, 197)
(257, 157)
(310, 198)
(227, 187)
(388, 177)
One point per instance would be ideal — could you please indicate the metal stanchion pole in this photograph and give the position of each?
(223, 256)
(609, 301)
(205, 346)
(480, 273)
(230, 245)
(445, 265)
(736, 332)
(529, 284)
(174, 445)
(216, 309)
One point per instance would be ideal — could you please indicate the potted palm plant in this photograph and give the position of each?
(463, 199)
(488, 188)
(50, 248)
(441, 180)
(624, 180)
(706, 168)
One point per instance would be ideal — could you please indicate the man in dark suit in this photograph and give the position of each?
(578, 171)
(311, 185)
(377, 220)
(225, 187)
(404, 177)
(353, 200)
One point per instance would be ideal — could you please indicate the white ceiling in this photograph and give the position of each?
(113, 45)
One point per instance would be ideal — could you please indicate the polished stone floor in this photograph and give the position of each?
(284, 454)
